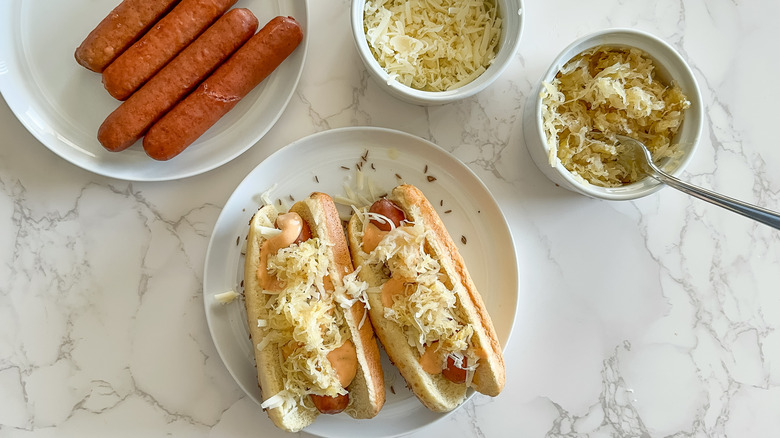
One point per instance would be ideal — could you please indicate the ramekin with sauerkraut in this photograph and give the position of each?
(602, 92)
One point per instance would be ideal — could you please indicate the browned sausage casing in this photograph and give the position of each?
(388, 209)
(160, 44)
(118, 30)
(330, 405)
(133, 117)
(221, 91)
(455, 373)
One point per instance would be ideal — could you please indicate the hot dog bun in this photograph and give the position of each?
(435, 391)
(366, 391)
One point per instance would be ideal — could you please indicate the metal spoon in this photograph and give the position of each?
(639, 152)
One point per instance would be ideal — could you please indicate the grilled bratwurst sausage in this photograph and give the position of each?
(160, 44)
(121, 28)
(133, 117)
(221, 91)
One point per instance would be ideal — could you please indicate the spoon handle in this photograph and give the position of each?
(755, 212)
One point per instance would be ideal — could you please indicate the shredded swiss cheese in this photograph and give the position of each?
(433, 45)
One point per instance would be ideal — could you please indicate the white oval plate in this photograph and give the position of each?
(315, 163)
(62, 104)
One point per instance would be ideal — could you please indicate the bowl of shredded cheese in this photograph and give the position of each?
(432, 52)
(613, 82)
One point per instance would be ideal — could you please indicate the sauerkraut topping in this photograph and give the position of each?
(433, 45)
(304, 320)
(427, 308)
(603, 92)
(352, 291)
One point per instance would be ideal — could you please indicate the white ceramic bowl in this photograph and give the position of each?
(669, 65)
(511, 11)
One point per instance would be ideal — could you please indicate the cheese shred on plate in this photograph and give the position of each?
(432, 45)
(603, 92)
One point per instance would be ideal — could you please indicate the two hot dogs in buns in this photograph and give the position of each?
(315, 350)
(450, 346)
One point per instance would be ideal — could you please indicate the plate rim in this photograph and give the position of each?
(352, 130)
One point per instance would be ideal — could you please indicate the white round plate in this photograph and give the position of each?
(62, 104)
(326, 162)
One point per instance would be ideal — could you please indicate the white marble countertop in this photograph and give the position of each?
(651, 318)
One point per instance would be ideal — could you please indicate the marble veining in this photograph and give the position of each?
(652, 318)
